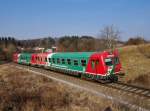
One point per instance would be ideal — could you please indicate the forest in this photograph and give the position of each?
(9, 45)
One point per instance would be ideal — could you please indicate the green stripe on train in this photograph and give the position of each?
(73, 56)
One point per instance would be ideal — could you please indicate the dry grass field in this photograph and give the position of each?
(23, 91)
(136, 64)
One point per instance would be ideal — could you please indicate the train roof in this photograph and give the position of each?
(72, 54)
(25, 54)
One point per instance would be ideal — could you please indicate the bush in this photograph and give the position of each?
(135, 41)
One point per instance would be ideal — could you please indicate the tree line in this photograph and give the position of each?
(109, 38)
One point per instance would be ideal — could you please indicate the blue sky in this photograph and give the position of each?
(40, 18)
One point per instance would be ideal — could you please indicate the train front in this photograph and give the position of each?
(113, 66)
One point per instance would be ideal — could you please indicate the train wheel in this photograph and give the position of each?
(83, 76)
(114, 79)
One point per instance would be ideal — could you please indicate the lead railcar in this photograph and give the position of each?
(94, 65)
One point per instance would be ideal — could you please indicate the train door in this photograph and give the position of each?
(95, 65)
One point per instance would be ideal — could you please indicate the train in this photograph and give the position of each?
(99, 66)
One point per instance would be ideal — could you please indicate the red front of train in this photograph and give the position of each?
(104, 65)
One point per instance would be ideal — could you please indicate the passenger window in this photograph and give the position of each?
(58, 60)
(97, 62)
(49, 59)
(83, 62)
(53, 60)
(93, 64)
(108, 62)
(69, 61)
(63, 61)
(75, 62)
(45, 59)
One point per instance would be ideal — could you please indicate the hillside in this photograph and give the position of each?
(24, 91)
(136, 64)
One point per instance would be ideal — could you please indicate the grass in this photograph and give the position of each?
(24, 91)
(136, 64)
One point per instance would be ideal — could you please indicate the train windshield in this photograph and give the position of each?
(111, 61)
(108, 61)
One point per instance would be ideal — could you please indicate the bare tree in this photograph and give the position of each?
(110, 35)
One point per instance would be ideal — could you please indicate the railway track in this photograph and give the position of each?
(130, 88)
(123, 93)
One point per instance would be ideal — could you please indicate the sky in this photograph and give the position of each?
(26, 19)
